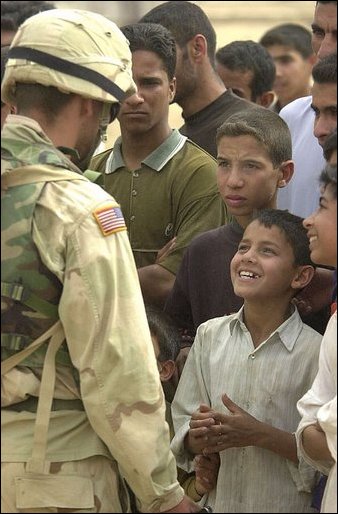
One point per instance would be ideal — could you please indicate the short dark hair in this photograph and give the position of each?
(325, 70)
(165, 330)
(292, 228)
(292, 35)
(328, 177)
(330, 145)
(48, 99)
(184, 20)
(264, 125)
(15, 13)
(154, 38)
(250, 56)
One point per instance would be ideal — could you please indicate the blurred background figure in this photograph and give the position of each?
(15, 13)
(248, 69)
(290, 47)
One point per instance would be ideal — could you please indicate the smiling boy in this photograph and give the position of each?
(317, 432)
(245, 372)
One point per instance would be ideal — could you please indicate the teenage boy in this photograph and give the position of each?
(317, 432)
(245, 373)
(254, 161)
(165, 184)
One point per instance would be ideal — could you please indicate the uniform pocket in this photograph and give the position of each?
(69, 492)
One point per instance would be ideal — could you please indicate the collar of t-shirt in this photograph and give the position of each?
(288, 332)
(156, 160)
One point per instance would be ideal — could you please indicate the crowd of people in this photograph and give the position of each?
(169, 325)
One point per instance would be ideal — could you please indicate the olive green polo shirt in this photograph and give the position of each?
(173, 193)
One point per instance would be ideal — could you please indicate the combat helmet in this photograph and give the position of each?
(74, 50)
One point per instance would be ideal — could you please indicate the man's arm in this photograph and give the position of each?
(156, 283)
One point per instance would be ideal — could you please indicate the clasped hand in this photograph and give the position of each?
(211, 431)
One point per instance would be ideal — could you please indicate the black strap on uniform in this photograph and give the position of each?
(69, 68)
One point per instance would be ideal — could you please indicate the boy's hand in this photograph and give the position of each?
(165, 250)
(206, 472)
(196, 439)
(231, 431)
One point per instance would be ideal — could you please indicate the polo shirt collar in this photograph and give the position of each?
(156, 160)
(287, 333)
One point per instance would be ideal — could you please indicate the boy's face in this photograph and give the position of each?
(263, 267)
(293, 73)
(324, 105)
(148, 108)
(237, 80)
(321, 229)
(246, 177)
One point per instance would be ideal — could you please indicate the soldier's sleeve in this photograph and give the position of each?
(103, 314)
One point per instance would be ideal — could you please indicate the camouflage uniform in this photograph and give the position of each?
(108, 409)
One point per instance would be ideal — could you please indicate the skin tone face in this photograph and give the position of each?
(186, 77)
(293, 73)
(321, 228)
(246, 177)
(263, 267)
(146, 112)
(5, 110)
(238, 81)
(324, 104)
(89, 136)
(333, 158)
(324, 30)
(7, 37)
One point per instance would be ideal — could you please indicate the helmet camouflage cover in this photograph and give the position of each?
(75, 51)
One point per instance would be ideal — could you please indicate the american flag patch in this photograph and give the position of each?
(110, 220)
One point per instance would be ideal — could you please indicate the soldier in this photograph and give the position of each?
(80, 395)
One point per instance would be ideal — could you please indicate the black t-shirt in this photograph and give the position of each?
(203, 287)
(201, 127)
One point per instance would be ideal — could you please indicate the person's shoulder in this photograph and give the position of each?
(215, 325)
(297, 109)
(98, 162)
(311, 335)
(203, 240)
(194, 150)
(79, 197)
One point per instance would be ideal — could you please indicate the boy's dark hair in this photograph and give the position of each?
(15, 13)
(291, 35)
(328, 177)
(153, 37)
(264, 125)
(325, 70)
(330, 145)
(164, 329)
(249, 56)
(292, 228)
(184, 20)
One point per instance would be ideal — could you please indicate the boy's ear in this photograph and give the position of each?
(285, 173)
(266, 99)
(167, 370)
(303, 277)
